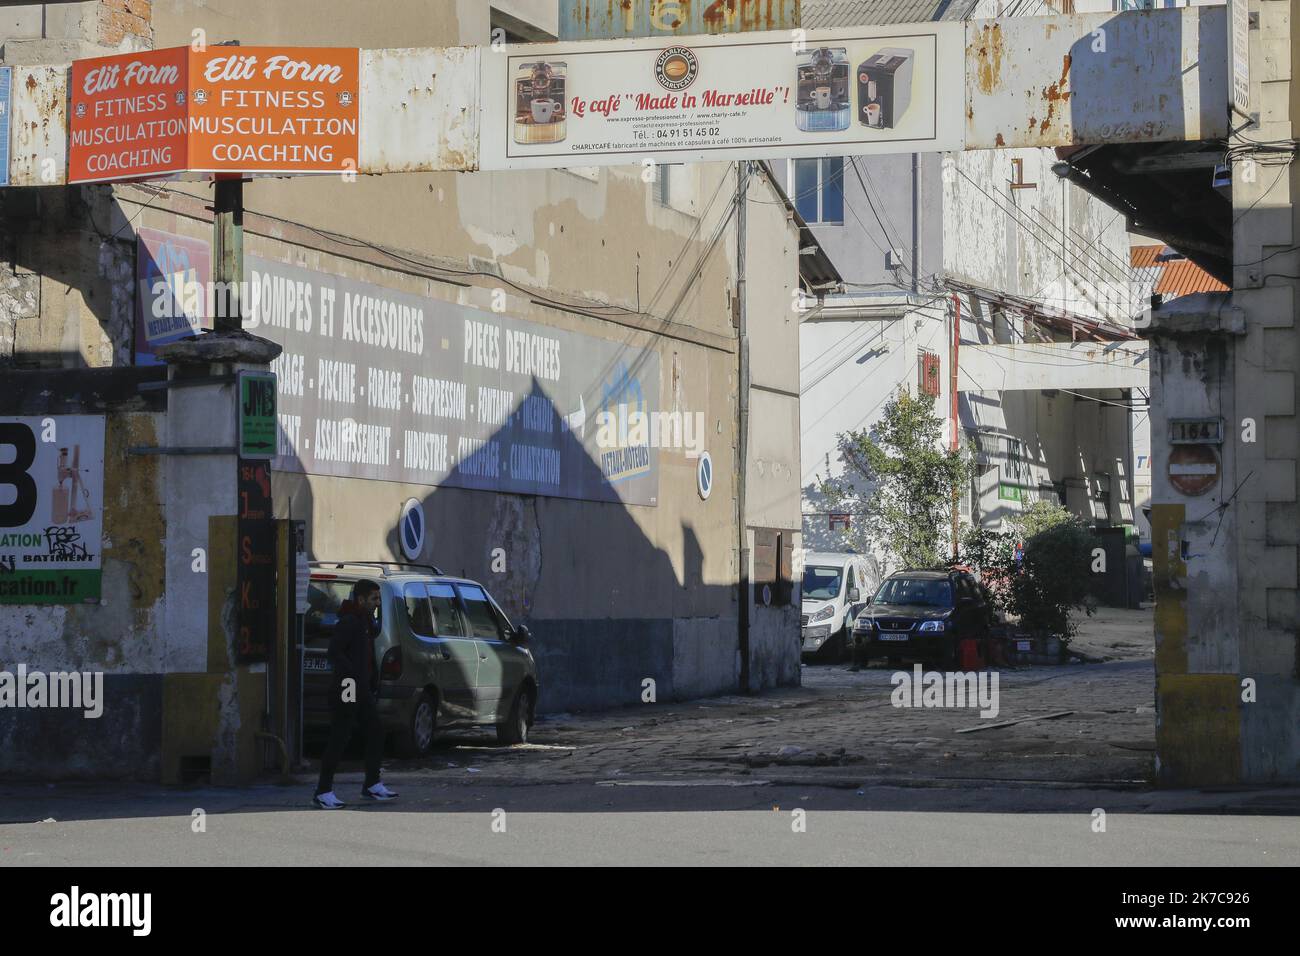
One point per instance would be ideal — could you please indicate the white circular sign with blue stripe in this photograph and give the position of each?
(704, 475)
(411, 530)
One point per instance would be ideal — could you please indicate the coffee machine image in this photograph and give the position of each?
(885, 87)
(822, 90)
(540, 103)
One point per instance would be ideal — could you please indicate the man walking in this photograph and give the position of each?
(352, 656)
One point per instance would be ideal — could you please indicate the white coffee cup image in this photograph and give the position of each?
(543, 110)
(873, 113)
(822, 97)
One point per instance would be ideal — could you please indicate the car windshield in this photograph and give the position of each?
(821, 584)
(919, 591)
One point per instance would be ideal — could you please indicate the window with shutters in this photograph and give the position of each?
(928, 373)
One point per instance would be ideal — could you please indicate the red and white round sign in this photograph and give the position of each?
(1193, 469)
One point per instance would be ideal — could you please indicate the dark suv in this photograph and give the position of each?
(922, 616)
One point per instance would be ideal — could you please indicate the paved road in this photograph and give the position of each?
(843, 728)
(719, 781)
(262, 828)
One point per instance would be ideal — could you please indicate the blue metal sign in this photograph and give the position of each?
(6, 82)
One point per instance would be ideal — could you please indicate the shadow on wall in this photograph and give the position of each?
(607, 608)
(44, 237)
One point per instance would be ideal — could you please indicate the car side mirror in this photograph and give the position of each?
(522, 634)
(855, 595)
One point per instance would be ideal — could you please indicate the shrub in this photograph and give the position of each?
(1047, 579)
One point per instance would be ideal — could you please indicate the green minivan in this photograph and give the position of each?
(446, 654)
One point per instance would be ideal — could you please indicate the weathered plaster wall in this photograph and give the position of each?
(1052, 242)
(122, 637)
(1226, 562)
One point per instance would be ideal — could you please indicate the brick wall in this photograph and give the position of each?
(121, 20)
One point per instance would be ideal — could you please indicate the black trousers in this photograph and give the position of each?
(345, 716)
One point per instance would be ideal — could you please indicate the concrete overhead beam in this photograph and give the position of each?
(1136, 77)
(1140, 76)
(1048, 365)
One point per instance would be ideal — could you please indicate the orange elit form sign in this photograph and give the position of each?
(252, 110)
(129, 118)
(274, 109)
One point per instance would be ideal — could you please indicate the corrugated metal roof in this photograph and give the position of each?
(829, 14)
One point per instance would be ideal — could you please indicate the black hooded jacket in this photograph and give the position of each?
(352, 650)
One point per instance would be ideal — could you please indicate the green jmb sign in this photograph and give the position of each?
(257, 415)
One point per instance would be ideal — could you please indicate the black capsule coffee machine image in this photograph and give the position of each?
(885, 87)
(822, 90)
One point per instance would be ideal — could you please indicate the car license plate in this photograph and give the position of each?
(893, 637)
(316, 664)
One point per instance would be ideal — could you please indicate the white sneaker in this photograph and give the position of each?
(328, 801)
(379, 792)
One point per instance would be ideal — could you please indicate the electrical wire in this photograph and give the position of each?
(1260, 197)
(1016, 216)
(594, 309)
(1102, 401)
(911, 271)
(870, 189)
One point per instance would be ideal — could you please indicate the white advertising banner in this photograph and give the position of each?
(52, 510)
(783, 93)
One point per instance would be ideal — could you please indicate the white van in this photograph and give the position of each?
(835, 590)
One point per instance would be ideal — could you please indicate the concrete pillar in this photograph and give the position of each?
(211, 706)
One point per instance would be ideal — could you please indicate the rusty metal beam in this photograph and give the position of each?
(1141, 76)
(1105, 78)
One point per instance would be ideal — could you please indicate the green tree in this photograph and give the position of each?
(902, 481)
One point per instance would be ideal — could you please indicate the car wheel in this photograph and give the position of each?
(515, 729)
(417, 741)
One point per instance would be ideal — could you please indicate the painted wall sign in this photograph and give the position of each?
(602, 20)
(376, 383)
(725, 97)
(172, 274)
(6, 104)
(51, 526)
(256, 110)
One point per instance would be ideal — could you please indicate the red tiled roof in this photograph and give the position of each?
(1178, 276)
(1183, 277)
(1144, 257)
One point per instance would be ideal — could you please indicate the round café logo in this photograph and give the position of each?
(676, 68)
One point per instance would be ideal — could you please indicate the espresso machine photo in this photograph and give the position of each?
(885, 87)
(822, 90)
(540, 103)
